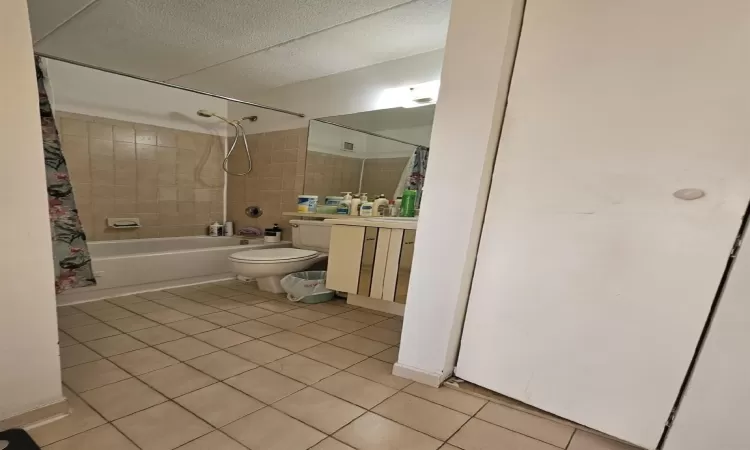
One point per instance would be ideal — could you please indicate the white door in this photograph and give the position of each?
(593, 281)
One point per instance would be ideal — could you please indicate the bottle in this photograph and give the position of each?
(213, 229)
(228, 229)
(380, 206)
(345, 205)
(354, 206)
(408, 203)
(397, 207)
(367, 209)
(363, 197)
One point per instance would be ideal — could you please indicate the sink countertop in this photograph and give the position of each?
(404, 223)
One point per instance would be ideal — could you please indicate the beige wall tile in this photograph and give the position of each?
(73, 127)
(100, 131)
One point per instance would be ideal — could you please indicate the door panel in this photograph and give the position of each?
(593, 281)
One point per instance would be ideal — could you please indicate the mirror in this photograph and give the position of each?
(371, 152)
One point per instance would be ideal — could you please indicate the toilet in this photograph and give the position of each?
(310, 241)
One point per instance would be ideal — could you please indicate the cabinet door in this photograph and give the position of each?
(345, 258)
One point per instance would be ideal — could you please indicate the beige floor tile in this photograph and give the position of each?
(220, 291)
(145, 307)
(307, 314)
(155, 295)
(354, 389)
(75, 355)
(222, 338)
(345, 325)
(90, 332)
(379, 372)
(93, 306)
(421, 415)
(329, 309)
(259, 352)
(251, 312)
(290, 341)
(362, 316)
(372, 432)
(265, 385)
(319, 410)
(588, 441)
(380, 334)
(126, 300)
(157, 335)
(219, 404)
(114, 345)
(282, 321)
(221, 365)
(224, 318)
(103, 437)
(143, 361)
(302, 369)
(168, 316)
(389, 355)
(545, 430)
(186, 348)
(112, 313)
(64, 339)
(465, 403)
(188, 307)
(359, 344)
(81, 418)
(391, 324)
(75, 320)
(269, 429)
(123, 398)
(225, 304)
(277, 307)
(92, 375)
(480, 435)
(162, 427)
(337, 357)
(254, 329)
(193, 326)
(318, 332)
(133, 323)
(248, 298)
(177, 380)
(64, 311)
(449, 447)
(181, 290)
(213, 441)
(330, 443)
(200, 296)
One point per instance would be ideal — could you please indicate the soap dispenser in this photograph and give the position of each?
(354, 207)
(380, 206)
(344, 207)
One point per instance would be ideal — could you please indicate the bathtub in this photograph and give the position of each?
(139, 265)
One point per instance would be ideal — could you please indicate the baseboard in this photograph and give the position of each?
(43, 414)
(411, 373)
(376, 304)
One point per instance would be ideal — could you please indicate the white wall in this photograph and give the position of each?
(415, 135)
(478, 61)
(95, 93)
(325, 138)
(30, 369)
(344, 93)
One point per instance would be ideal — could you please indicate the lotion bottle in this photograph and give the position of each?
(354, 207)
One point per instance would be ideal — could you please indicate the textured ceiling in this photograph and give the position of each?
(237, 47)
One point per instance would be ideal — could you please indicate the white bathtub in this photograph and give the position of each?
(139, 265)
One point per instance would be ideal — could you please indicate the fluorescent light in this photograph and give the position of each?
(410, 96)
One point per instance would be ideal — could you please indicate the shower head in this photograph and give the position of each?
(205, 113)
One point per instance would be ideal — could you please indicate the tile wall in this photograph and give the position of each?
(276, 180)
(382, 176)
(170, 179)
(328, 174)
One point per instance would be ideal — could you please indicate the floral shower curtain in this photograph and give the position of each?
(71, 254)
(416, 178)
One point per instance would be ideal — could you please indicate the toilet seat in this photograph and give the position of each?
(273, 255)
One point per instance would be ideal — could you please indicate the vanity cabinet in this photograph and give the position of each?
(372, 264)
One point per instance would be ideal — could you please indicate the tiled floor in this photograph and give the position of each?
(226, 367)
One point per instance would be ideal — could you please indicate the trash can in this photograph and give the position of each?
(307, 287)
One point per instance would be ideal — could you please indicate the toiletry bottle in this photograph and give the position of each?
(397, 207)
(363, 197)
(408, 202)
(213, 229)
(367, 209)
(345, 206)
(380, 206)
(228, 229)
(354, 207)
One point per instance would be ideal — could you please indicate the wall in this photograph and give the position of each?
(169, 179)
(479, 57)
(382, 176)
(329, 174)
(274, 183)
(99, 94)
(415, 135)
(30, 375)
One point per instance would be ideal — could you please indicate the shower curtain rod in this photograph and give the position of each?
(162, 83)
(369, 132)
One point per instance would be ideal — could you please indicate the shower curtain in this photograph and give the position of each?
(415, 180)
(72, 261)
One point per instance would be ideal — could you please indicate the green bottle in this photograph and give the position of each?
(408, 200)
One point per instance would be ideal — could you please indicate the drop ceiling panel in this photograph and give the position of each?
(165, 39)
(46, 15)
(407, 30)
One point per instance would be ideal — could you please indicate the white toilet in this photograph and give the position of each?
(310, 241)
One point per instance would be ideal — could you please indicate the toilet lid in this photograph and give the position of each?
(273, 255)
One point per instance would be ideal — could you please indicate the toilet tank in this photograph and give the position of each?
(311, 235)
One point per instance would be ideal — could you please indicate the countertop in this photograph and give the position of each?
(403, 223)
